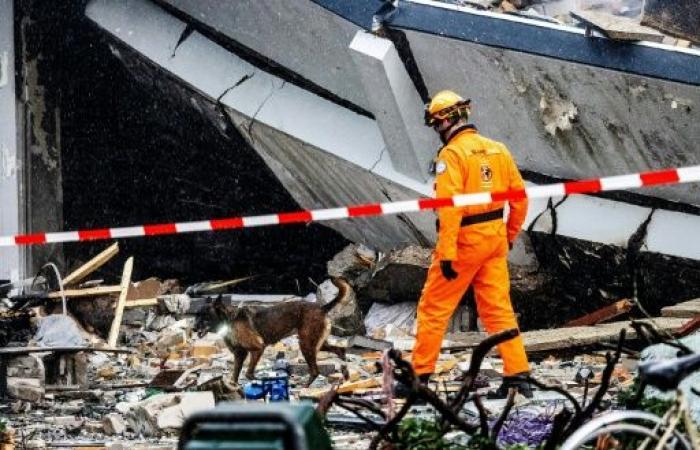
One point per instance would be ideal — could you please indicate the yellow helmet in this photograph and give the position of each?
(446, 105)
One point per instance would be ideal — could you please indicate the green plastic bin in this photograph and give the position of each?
(255, 426)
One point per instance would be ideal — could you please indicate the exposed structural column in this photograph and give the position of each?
(396, 104)
(10, 170)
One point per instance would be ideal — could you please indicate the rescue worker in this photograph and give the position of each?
(473, 241)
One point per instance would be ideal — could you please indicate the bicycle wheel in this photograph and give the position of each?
(626, 425)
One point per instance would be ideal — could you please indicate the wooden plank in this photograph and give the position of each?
(602, 314)
(89, 292)
(679, 18)
(617, 27)
(119, 311)
(142, 302)
(687, 309)
(344, 388)
(565, 338)
(92, 265)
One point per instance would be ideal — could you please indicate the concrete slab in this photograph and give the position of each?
(567, 119)
(599, 220)
(395, 103)
(674, 233)
(322, 44)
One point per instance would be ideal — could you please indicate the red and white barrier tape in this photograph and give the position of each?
(632, 181)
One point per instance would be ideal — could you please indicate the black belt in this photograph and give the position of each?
(483, 217)
(478, 218)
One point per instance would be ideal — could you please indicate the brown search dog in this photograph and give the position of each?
(250, 330)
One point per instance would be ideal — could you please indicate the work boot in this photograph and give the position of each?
(517, 381)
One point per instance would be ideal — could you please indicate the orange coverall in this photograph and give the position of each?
(471, 163)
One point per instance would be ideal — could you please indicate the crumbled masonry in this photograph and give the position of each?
(83, 393)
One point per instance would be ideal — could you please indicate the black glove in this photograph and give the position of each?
(447, 270)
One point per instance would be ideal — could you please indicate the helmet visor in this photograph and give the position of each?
(451, 113)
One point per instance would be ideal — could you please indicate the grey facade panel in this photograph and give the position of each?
(9, 163)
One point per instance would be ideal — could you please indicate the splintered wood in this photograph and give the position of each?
(89, 267)
(116, 323)
(344, 388)
(602, 314)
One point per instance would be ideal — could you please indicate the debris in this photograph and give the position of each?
(26, 366)
(399, 315)
(354, 263)
(676, 17)
(87, 292)
(89, 267)
(345, 317)
(602, 314)
(7, 437)
(398, 277)
(344, 388)
(59, 330)
(687, 309)
(562, 338)
(119, 309)
(367, 343)
(617, 27)
(175, 303)
(113, 424)
(167, 412)
(688, 328)
(659, 352)
(218, 287)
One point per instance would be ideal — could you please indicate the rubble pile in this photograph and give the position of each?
(670, 22)
(65, 385)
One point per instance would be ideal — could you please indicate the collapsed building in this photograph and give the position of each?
(116, 113)
(147, 111)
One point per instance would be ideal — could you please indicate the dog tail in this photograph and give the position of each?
(343, 291)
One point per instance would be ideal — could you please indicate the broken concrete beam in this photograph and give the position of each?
(170, 338)
(398, 277)
(602, 314)
(345, 317)
(204, 350)
(397, 103)
(687, 309)
(367, 343)
(617, 27)
(679, 18)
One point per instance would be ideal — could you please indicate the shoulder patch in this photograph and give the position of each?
(440, 167)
